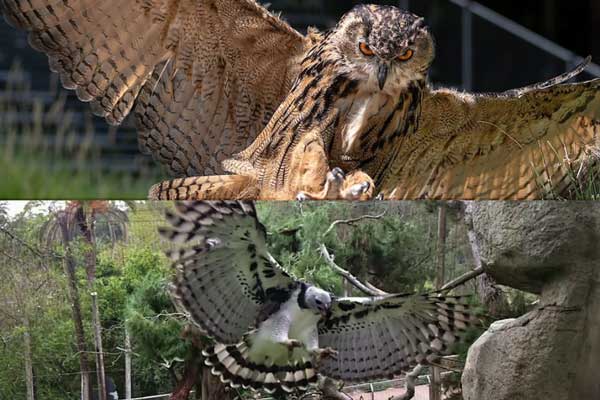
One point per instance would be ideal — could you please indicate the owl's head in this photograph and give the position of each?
(384, 45)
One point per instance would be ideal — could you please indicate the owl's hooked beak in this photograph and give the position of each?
(382, 75)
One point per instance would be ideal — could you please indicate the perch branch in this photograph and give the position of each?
(352, 221)
(369, 290)
(375, 289)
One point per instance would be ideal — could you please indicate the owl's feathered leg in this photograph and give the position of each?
(338, 186)
(225, 187)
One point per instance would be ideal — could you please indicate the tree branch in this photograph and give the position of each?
(461, 280)
(35, 251)
(352, 221)
(369, 290)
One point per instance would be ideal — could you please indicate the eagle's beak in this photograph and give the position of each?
(382, 75)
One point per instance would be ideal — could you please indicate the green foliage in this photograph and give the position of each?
(390, 252)
(47, 179)
(156, 334)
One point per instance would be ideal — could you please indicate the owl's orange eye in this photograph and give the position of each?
(407, 55)
(366, 50)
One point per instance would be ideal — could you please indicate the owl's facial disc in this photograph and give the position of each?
(392, 47)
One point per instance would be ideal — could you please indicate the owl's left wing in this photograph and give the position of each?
(383, 336)
(523, 144)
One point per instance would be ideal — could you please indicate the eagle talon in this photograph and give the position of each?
(322, 354)
(292, 344)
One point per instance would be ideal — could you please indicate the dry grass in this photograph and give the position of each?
(61, 163)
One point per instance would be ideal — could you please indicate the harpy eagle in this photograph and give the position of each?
(277, 333)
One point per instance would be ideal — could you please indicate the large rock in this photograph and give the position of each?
(552, 353)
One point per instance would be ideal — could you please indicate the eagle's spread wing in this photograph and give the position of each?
(381, 337)
(224, 273)
(522, 144)
(205, 75)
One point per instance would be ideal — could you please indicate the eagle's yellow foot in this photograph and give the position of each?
(338, 186)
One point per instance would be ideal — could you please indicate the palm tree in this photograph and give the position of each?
(80, 219)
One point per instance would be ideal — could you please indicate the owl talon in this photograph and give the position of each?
(339, 186)
(355, 192)
(302, 197)
(337, 175)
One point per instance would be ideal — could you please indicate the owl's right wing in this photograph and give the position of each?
(225, 275)
(204, 76)
(523, 144)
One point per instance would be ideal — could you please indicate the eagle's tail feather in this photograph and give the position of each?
(232, 365)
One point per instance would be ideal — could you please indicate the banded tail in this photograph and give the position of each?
(233, 366)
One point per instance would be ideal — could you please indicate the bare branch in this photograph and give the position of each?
(37, 252)
(352, 221)
(461, 280)
(375, 289)
(368, 290)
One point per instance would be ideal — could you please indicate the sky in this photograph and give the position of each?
(15, 207)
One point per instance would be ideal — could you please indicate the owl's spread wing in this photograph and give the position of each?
(205, 76)
(522, 144)
(225, 275)
(384, 336)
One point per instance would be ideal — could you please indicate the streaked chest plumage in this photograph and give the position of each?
(372, 127)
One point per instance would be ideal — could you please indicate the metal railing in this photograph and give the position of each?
(471, 8)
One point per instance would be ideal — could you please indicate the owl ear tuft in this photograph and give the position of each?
(314, 35)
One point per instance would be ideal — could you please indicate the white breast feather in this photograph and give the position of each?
(358, 118)
(290, 322)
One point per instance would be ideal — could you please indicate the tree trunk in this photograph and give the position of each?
(127, 365)
(210, 386)
(191, 375)
(69, 266)
(435, 387)
(213, 388)
(28, 359)
(101, 375)
(87, 232)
